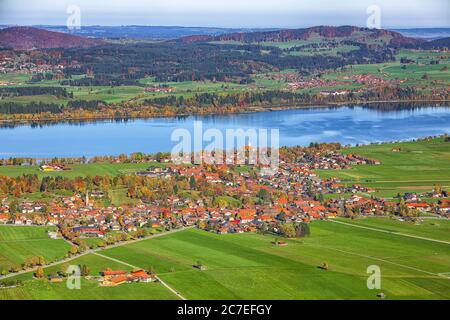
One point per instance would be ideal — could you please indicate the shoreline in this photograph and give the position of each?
(248, 110)
(88, 158)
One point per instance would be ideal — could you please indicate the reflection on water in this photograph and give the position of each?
(347, 125)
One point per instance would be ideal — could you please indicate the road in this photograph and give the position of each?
(93, 251)
(135, 267)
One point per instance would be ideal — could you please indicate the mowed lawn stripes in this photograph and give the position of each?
(18, 243)
(248, 266)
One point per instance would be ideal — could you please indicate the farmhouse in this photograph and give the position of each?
(52, 167)
(117, 277)
(89, 231)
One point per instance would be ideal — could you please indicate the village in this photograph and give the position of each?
(294, 195)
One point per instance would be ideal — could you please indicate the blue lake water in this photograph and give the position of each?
(347, 125)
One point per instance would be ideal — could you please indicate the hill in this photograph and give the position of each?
(357, 34)
(26, 38)
(437, 44)
(142, 32)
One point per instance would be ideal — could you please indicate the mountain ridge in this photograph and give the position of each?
(28, 38)
(285, 35)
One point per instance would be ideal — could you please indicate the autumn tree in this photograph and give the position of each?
(40, 273)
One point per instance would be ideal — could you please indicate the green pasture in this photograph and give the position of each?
(18, 243)
(416, 168)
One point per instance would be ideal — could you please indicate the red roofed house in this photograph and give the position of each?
(247, 215)
(142, 276)
(420, 206)
(113, 273)
(118, 280)
(4, 218)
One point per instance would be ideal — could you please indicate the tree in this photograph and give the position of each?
(41, 261)
(85, 271)
(192, 183)
(40, 273)
(263, 194)
(302, 230)
(202, 224)
(287, 230)
(151, 270)
(73, 250)
(263, 228)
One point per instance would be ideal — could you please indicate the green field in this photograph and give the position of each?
(416, 168)
(438, 229)
(249, 266)
(19, 243)
(89, 290)
(80, 170)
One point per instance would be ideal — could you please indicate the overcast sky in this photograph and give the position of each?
(229, 13)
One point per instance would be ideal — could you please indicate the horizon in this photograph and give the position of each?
(213, 27)
(252, 14)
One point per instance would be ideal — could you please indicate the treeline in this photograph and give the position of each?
(41, 107)
(206, 103)
(101, 80)
(30, 183)
(29, 108)
(278, 96)
(115, 65)
(35, 91)
(86, 104)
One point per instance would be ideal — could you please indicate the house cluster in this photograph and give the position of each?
(442, 206)
(53, 167)
(14, 62)
(159, 89)
(111, 278)
(331, 160)
(365, 80)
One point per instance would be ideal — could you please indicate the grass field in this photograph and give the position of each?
(416, 168)
(428, 228)
(19, 243)
(408, 75)
(90, 290)
(80, 170)
(248, 266)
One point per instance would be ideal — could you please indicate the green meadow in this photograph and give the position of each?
(18, 243)
(34, 289)
(438, 229)
(416, 168)
(249, 266)
(80, 170)
(406, 74)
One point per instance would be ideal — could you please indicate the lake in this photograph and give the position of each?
(347, 125)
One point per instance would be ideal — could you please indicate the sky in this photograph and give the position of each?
(228, 13)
